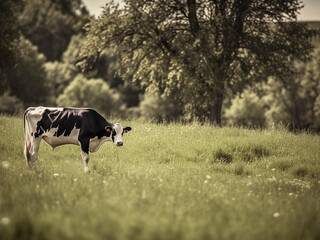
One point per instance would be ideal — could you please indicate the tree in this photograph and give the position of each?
(9, 38)
(199, 47)
(295, 100)
(27, 80)
(50, 24)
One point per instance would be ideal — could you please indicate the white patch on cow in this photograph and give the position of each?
(85, 158)
(118, 137)
(54, 141)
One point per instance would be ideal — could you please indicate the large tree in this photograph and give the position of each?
(9, 38)
(50, 24)
(199, 48)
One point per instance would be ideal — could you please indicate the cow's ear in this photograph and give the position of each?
(127, 129)
(109, 130)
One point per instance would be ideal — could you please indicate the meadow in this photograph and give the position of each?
(170, 181)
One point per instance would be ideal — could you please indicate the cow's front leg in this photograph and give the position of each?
(85, 158)
(85, 154)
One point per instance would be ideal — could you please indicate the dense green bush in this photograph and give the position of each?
(158, 108)
(246, 110)
(10, 104)
(58, 77)
(94, 93)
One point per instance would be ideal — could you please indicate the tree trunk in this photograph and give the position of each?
(216, 109)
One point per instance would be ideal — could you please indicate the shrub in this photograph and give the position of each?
(10, 104)
(158, 108)
(246, 110)
(94, 93)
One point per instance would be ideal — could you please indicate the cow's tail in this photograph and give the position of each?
(27, 140)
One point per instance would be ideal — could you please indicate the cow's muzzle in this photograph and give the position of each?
(119, 144)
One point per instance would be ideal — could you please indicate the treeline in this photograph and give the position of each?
(42, 47)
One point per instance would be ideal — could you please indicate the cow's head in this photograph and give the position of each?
(116, 131)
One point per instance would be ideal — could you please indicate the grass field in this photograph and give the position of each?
(167, 182)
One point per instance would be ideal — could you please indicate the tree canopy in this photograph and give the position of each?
(9, 37)
(51, 24)
(199, 48)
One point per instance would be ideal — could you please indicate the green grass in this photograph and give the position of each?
(167, 182)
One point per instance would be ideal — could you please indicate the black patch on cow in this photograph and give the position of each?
(113, 135)
(85, 142)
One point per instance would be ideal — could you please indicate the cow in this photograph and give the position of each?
(58, 126)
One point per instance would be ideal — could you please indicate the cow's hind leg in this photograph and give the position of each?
(31, 153)
(85, 154)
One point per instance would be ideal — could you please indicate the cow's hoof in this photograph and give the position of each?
(86, 170)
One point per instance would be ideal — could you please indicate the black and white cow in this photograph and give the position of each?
(58, 126)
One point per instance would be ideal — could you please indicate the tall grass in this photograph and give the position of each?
(167, 182)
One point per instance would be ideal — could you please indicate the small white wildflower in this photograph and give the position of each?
(161, 180)
(276, 215)
(5, 221)
(75, 179)
(104, 181)
(273, 169)
(206, 181)
(290, 194)
(5, 164)
(56, 174)
(249, 183)
(269, 193)
(208, 177)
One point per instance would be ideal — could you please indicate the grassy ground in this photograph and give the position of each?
(166, 182)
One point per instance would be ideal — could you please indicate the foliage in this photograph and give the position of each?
(71, 54)
(10, 104)
(158, 108)
(246, 110)
(51, 24)
(9, 37)
(94, 93)
(294, 101)
(163, 184)
(200, 48)
(27, 80)
(58, 76)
